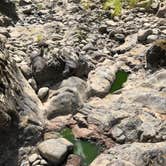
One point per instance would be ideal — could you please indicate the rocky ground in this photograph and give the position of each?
(58, 62)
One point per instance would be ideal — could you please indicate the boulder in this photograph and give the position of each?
(100, 80)
(134, 154)
(54, 68)
(62, 102)
(156, 55)
(55, 150)
(76, 82)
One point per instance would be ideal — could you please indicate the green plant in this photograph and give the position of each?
(118, 4)
(85, 4)
(39, 38)
(132, 3)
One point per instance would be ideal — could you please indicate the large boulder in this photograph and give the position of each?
(76, 82)
(55, 150)
(62, 102)
(135, 154)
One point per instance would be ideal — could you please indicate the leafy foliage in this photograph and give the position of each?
(117, 4)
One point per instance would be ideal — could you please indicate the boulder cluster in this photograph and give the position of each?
(58, 62)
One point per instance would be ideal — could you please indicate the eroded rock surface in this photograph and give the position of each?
(58, 63)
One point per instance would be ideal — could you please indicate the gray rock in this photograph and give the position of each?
(152, 38)
(25, 2)
(33, 157)
(26, 70)
(130, 42)
(55, 150)
(133, 154)
(62, 102)
(100, 80)
(33, 84)
(37, 162)
(143, 34)
(162, 10)
(43, 162)
(119, 37)
(43, 92)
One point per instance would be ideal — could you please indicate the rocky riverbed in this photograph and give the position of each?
(101, 77)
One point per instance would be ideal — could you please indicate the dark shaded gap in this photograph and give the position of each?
(9, 9)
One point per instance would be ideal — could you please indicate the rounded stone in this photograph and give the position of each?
(43, 92)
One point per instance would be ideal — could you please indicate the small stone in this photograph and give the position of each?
(116, 132)
(33, 157)
(51, 135)
(164, 32)
(33, 84)
(119, 37)
(36, 162)
(43, 162)
(26, 70)
(43, 92)
(25, 163)
(111, 23)
(25, 2)
(152, 38)
(143, 34)
(103, 29)
(73, 160)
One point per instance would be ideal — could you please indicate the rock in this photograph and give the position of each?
(73, 160)
(25, 2)
(156, 55)
(25, 163)
(55, 150)
(37, 162)
(143, 34)
(152, 38)
(133, 154)
(162, 10)
(119, 37)
(43, 162)
(33, 84)
(118, 134)
(33, 158)
(43, 93)
(103, 29)
(26, 70)
(51, 135)
(64, 101)
(100, 80)
(77, 83)
(81, 132)
(130, 42)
